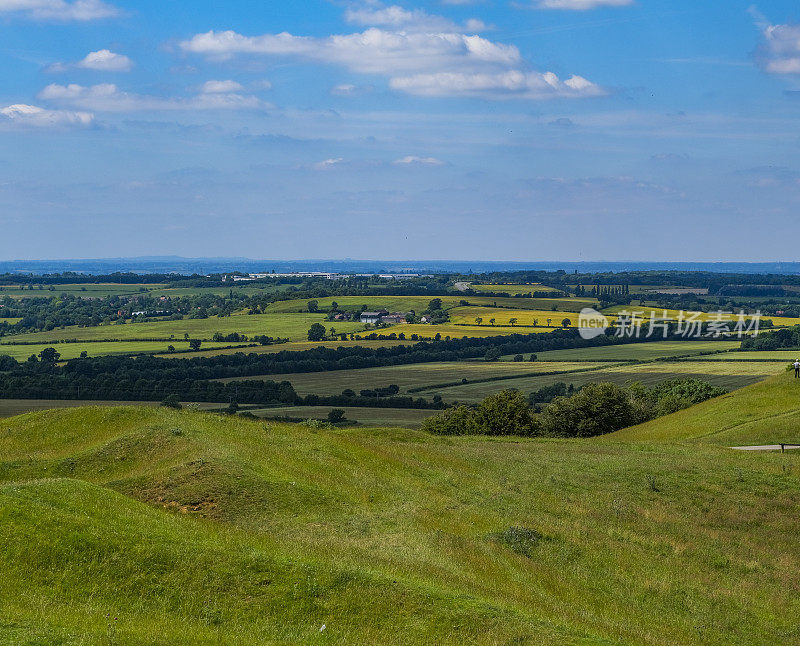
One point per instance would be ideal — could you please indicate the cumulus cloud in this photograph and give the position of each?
(780, 50)
(31, 116)
(375, 51)
(412, 160)
(395, 17)
(78, 10)
(423, 63)
(107, 97)
(581, 5)
(103, 60)
(218, 87)
(511, 84)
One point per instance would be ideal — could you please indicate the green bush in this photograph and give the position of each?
(506, 413)
(596, 410)
(452, 421)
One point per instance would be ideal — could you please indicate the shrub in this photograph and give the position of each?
(172, 401)
(336, 416)
(520, 540)
(506, 413)
(596, 410)
(452, 421)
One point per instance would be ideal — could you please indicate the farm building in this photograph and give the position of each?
(373, 317)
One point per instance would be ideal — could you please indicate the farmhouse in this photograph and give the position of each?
(373, 317)
(394, 319)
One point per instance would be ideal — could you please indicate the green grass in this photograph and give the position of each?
(14, 407)
(413, 375)
(729, 375)
(99, 290)
(100, 349)
(765, 413)
(134, 526)
(298, 346)
(291, 326)
(642, 351)
(402, 417)
(513, 289)
(420, 303)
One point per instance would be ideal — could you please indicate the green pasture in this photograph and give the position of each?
(101, 349)
(642, 351)
(400, 417)
(420, 303)
(89, 290)
(141, 525)
(765, 413)
(291, 326)
(299, 346)
(413, 375)
(726, 374)
(14, 407)
(513, 288)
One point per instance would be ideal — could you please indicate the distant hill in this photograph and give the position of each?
(149, 526)
(180, 265)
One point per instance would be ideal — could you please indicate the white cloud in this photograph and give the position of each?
(581, 5)
(374, 51)
(419, 63)
(106, 97)
(328, 163)
(395, 17)
(32, 116)
(412, 160)
(345, 89)
(511, 85)
(780, 50)
(79, 10)
(103, 60)
(221, 87)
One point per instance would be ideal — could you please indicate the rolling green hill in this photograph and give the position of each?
(148, 526)
(765, 413)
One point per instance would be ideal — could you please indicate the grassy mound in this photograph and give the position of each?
(765, 413)
(134, 526)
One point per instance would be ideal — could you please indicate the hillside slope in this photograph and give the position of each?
(764, 413)
(148, 526)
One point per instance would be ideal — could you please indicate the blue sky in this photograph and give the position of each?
(450, 129)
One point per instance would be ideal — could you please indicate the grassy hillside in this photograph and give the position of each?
(765, 413)
(141, 526)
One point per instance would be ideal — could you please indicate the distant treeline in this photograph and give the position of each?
(786, 338)
(150, 378)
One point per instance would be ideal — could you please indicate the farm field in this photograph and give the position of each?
(101, 348)
(513, 289)
(10, 321)
(502, 317)
(413, 375)
(758, 355)
(14, 407)
(192, 527)
(88, 290)
(103, 290)
(645, 312)
(298, 346)
(729, 375)
(420, 303)
(458, 331)
(400, 417)
(291, 326)
(640, 351)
